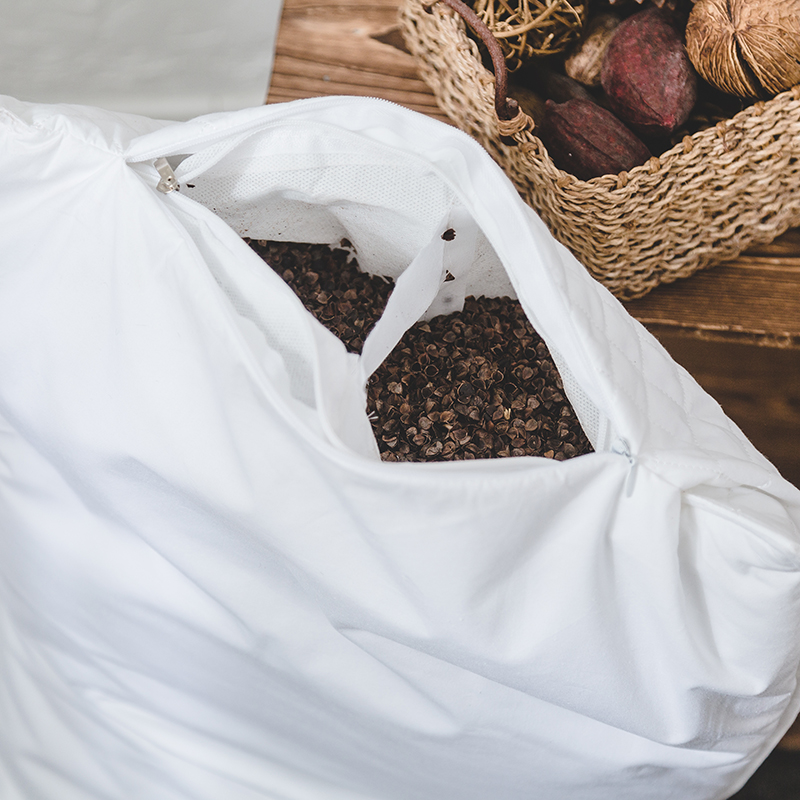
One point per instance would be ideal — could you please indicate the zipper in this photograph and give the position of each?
(168, 182)
(255, 124)
(622, 448)
(237, 133)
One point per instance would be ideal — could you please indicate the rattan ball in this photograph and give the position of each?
(528, 28)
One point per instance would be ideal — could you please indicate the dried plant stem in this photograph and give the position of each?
(532, 27)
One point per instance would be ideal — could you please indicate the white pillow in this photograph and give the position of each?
(212, 587)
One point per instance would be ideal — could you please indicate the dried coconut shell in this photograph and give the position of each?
(747, 48)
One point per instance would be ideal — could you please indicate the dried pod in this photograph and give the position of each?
(584, 63)
(588, 141)
(647, 76)
(747, 48)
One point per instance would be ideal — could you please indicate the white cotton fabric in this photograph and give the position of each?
(212, 588)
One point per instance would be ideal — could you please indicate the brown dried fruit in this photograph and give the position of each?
(585, 62)
(647, 75)
(588, 141)
(747, 48)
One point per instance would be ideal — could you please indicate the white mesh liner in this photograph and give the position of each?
(594, 424)
(488, 277)
(296, 184)
(320, 185)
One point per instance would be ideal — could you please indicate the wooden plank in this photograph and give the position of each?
(787, 245)
(346, 47)
(751, 299)
(305, 78)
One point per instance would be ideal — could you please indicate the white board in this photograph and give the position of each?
(169, 59)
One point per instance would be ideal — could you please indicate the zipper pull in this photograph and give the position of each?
(168, 183)
(622, 448)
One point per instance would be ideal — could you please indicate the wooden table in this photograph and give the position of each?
(735, 326)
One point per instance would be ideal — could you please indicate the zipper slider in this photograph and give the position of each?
(622, 448)
(168, 183)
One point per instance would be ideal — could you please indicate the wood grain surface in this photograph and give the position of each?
(754, 298)
(346, 47)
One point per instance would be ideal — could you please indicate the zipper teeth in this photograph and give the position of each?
(254, 126)
(257, 123)
(306, 125)
(152, 154)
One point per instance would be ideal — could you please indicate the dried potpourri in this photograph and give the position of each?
(479, 383)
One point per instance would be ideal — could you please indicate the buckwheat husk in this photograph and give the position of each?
(479, 383)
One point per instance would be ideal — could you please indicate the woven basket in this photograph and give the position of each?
(705, 200)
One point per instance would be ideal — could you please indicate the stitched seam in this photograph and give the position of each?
(643, 407)
(682, 403)
(681, 406)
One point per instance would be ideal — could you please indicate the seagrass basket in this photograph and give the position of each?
(706, 199)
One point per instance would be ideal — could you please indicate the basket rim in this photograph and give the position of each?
(705, 199)
(614, 181)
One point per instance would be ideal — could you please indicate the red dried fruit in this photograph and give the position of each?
(587, 140)
(647, 76)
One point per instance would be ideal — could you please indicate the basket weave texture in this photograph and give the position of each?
(705, 200)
